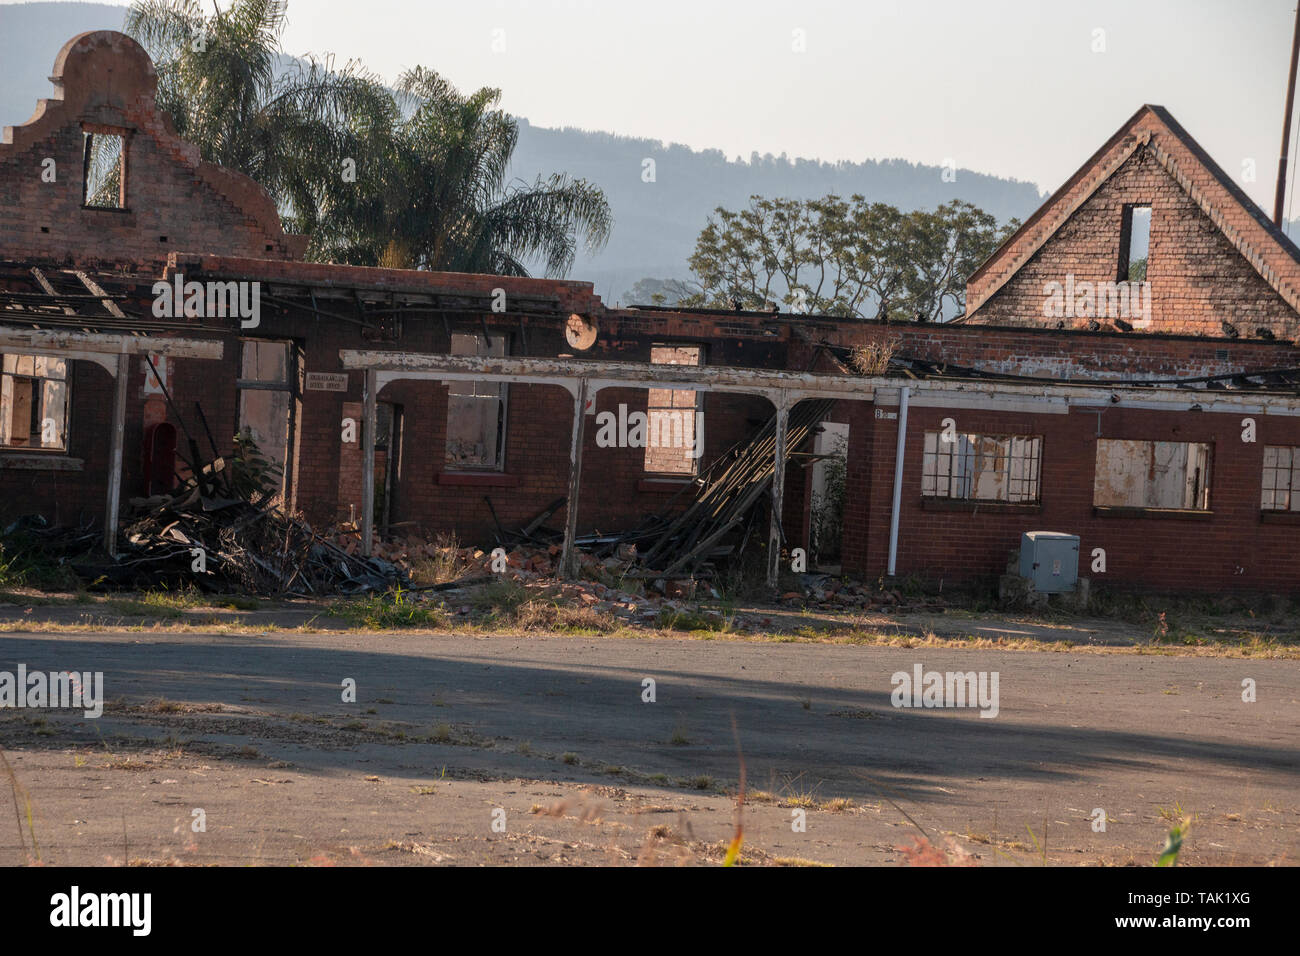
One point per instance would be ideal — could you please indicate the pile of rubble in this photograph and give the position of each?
(207, 535)
(617, 584)
(825, 591)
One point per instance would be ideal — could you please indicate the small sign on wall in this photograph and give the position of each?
(327, 381)
(159, 383)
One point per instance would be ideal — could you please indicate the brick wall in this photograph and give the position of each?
(1214, 256)
(1048, 353)
(104, 81)
(1198, 279)
(1231, 548)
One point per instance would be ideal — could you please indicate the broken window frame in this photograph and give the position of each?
(1196, 488)
(288, 385)
(690, 466)
(95, 160)
(46, 385)
(485, 343)
(1126, 243)
(954, 470)
(1277, 471)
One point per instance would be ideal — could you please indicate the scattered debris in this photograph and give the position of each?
(224, 531)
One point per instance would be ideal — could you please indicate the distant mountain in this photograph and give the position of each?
(655, 222)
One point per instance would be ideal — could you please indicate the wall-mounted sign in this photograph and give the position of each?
(152, 384)
(327, 381)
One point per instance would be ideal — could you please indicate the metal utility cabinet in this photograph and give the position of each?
(1050, 560)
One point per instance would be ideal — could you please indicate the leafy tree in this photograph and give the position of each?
(952, 242)
(845, 258)
(650, 291)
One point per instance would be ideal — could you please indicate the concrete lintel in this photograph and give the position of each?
(384, 377)
(87, 345)
(606, 374)
(1185, 402)
(797, 385)
(996, 403)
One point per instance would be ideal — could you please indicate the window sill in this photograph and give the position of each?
(976, 507)
(39, 462)
(474, 479)
(663, 486)
(1180, 514)
(1279, 517)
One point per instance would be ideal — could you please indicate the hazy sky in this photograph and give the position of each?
(1011, 87)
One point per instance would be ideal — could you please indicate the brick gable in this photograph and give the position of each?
(104, 81)
(1214, 256)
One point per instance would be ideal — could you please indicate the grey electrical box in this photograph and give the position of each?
(1050, 559)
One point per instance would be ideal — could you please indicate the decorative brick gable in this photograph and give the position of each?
(105, 82)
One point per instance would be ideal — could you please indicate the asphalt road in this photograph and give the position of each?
(543, 750)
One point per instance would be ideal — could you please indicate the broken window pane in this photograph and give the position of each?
(264, 416)
(266, 362)
(981, 467)
(34, 402)
(673, 431)
(266, 398)
(1152, 474)
(476, 410)
(1281, 479)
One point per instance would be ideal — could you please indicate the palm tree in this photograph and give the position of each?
(231, 92)
(413, 178)
(435, 196)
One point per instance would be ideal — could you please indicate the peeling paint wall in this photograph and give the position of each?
(1152, 474)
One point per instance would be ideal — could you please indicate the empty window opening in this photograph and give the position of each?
(388, 458)
(997, 468)
(1135, 243)
(266, 406)
(1281, 490)
(827, 474)
(104, 180)
(673, 422)
(1152, 474)
(34, 403)
(476, 411)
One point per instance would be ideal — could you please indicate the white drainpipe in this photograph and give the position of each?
(898, 479)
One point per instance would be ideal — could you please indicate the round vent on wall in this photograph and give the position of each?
(580, 331)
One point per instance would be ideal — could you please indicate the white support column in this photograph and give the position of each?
(900, 450)
(778, 490)
(569, 555)
(368, 425)
(116, 437)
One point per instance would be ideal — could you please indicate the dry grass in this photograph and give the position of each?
(873, 358)
(544, 615)
(444, 565)
(22, 812)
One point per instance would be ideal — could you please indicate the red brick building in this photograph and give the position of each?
(1173, 447)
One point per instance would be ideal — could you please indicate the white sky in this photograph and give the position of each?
(1010, 87)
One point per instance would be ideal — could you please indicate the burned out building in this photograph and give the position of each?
(144, 323)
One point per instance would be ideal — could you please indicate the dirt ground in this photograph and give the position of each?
(479, 748)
